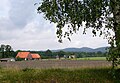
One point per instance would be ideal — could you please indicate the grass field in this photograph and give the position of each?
(95, 75)
(57, 71)
(92, 58)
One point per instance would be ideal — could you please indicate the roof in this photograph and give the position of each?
(35, 55)
(22, 54)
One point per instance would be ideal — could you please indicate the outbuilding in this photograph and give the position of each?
(35, 56)
(7, 60)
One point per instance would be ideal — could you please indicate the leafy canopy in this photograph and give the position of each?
(98, 15)
(94, 13)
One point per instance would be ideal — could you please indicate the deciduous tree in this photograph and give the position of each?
(5, 50)
(99, 15)
(48, 53)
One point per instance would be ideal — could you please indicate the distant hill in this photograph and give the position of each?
(83, 49)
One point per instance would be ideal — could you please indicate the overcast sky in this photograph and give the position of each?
(24, 29)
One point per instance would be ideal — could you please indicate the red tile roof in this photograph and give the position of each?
(22, 54)
(35, 55)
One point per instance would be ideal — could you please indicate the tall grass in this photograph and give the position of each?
(57, 76)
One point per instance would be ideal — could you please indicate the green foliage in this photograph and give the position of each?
(90, 54)
(61, 53)
(57, 76)
(6, 51)
(45, 55)
(94, 13)
(19, 59)
(49, 53)
(98, 15)
(92, 58)
(26, 69)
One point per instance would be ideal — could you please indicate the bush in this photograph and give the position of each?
(19, 59)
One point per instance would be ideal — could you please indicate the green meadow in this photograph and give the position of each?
(100, 75)
(92, 58)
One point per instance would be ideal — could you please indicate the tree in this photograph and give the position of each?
(61, 53)
(8, 49)
(48, 53)
(2, 50)
(5, 49)
(99, 15)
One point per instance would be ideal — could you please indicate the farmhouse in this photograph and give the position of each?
(28, 56)
(24, 55)
(35, 56)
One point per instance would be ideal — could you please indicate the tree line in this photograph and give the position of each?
(49, 54)
(6, 51)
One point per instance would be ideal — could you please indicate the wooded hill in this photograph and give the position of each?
(83, 49)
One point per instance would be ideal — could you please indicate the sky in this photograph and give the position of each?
(24, 29)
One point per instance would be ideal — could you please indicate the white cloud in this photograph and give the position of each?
(4, 8)
(22, 11)
(23, 28)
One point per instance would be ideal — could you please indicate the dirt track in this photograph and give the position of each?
(44, 64)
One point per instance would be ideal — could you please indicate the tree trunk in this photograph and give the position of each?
(3, 55)
(116, 15)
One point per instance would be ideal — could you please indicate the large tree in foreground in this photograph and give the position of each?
(99, 15)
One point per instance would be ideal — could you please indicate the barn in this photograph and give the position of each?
(35, 56)
(24, 55)
(28, 56)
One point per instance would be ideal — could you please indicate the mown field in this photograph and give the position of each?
(57, 71)
(47, 64)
